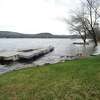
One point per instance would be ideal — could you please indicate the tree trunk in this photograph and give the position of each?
(84, 42)
(94, 37)
(95, 40)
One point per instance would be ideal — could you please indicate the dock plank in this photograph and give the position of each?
(9, 53)
(16, 55)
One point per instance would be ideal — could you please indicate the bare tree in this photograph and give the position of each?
(84, 21)
(78, 24)
(92, 11)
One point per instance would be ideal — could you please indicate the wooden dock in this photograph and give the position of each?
(35, 54)
(24, 55)
(9, 55)
(80, 43)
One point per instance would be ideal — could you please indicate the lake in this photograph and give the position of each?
(62, 49)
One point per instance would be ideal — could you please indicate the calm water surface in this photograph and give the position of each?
(63, 48)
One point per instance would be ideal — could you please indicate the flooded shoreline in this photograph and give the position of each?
(64, 49)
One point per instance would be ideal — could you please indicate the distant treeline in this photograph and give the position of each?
(8, 34)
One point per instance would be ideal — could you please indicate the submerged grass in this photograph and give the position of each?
(71, 80)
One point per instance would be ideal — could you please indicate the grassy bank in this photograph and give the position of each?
(71, 80)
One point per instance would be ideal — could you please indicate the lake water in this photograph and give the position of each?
(62, 48)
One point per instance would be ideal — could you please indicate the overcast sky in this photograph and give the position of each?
(35, 16)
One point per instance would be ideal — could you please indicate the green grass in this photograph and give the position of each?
(71, 80)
